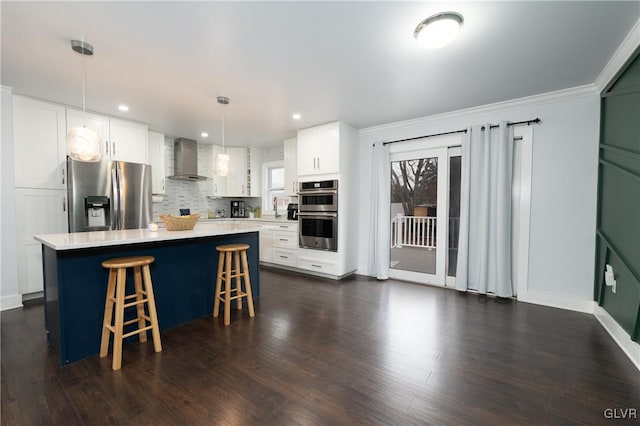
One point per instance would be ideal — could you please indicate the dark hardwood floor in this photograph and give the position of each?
(357, 351)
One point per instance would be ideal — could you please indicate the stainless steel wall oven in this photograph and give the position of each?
(319, 196)
(318, 215)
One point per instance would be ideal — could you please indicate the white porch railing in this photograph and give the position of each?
(413, 231)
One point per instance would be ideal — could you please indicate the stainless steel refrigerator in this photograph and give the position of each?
(108, 195)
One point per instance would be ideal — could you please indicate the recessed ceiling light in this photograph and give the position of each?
(438, 30)
(123, 108)
(296, 116)
(204, 134)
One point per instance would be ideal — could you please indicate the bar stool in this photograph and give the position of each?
(116, 298)
(227, 274)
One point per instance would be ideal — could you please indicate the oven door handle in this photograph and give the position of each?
(317, 215)
(317, 191)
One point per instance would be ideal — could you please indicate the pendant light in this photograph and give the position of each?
(222, 160)
(83, 144)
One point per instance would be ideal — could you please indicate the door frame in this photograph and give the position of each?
(442, 148)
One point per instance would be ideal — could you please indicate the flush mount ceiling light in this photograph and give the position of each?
(204, 134)
(222, 160)
(438, 30)
(296, 116)
(83, 144)
(123, 107)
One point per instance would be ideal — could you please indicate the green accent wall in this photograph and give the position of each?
(618, 226)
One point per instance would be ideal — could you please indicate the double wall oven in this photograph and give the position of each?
(318, 215)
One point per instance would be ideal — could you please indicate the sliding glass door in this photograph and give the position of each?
(425, 210)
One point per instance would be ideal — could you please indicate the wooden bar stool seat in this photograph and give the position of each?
(226, 275)
(116, 298)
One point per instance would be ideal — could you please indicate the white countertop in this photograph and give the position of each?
(80, 240)
(259, 219)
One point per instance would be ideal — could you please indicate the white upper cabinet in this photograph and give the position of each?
(219, 183)
(121, 139)
(291, 166)
(39, 140)
(237, 178)
(254, 169)
(128, 141)
(157, 161)
(243, 179)
(319, 150)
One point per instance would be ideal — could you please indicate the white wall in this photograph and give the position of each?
(9, 296)
(563, 189)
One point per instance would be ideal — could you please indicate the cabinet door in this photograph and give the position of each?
(237, 179)
(157, 161)
(128, 141)
(38, 211)
(99, 123)
(266, 245)
(254, 170)
(328, 149)
(39, 140)
(306, 147)
(290, 167)
(219, 184)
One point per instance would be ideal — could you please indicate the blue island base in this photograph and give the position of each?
(183, 275)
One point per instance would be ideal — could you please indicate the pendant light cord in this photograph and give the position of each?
(84, 111)
(223, 149)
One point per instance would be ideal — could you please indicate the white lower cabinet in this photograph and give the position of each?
(285, 256)
(285, 244)
(317, 265)
(38, 211)
(266, 244)
(278, 243)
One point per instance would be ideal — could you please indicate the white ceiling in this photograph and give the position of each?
(351, 61)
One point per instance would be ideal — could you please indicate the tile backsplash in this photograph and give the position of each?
(190, 195)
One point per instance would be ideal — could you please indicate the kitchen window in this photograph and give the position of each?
(273, 173)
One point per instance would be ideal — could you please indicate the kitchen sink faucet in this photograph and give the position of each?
(275, 206)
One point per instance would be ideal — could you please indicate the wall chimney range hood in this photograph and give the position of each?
(185, 160)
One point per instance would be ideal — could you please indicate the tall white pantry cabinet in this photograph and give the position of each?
(39, 142)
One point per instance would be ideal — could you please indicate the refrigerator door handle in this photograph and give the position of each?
(115, 222)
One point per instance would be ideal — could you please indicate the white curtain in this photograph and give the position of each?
(484, 248)
(380, 212)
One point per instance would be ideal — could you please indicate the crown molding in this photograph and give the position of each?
(544, 98)
(619, 58)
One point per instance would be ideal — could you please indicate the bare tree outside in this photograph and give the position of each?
(414, 184)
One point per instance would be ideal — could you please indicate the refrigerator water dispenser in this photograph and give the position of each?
(97, 208)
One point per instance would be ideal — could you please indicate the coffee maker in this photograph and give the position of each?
(238, 208)
(292, 211)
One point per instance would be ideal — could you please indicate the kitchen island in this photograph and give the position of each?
(183, 274)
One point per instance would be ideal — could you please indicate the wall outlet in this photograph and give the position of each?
(609, 278)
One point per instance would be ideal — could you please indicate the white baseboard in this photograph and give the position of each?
(619, 335)
(558, 301)
(10, 302)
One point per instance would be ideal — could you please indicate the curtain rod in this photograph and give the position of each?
(492, 126)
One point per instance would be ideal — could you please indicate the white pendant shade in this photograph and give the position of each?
(84, 144)
(438, 30)
(222, 165)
